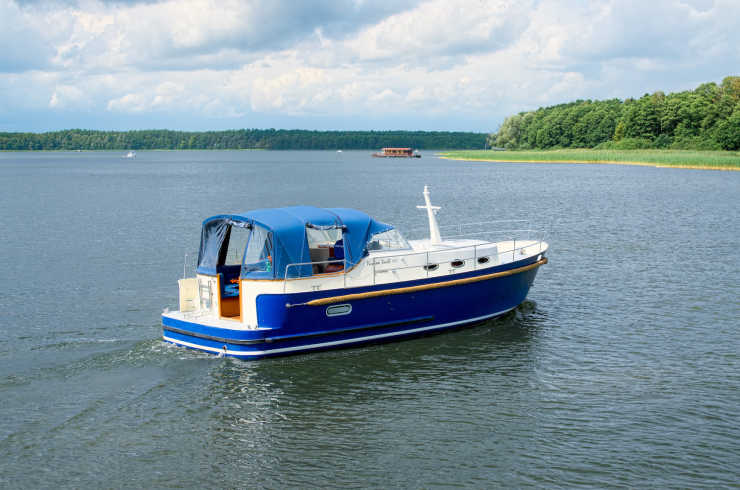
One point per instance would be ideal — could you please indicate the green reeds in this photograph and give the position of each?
(721, 160)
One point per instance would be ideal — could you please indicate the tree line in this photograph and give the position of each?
(272, 139)
(707, 118)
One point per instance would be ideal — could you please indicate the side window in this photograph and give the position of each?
(258, 257)
(323, 238)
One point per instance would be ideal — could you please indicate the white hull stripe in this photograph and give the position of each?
(330, 344)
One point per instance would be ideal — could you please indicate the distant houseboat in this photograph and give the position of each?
(397, 153)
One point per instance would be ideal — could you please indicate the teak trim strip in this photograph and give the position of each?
(422, 287)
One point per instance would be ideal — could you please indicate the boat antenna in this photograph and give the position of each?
(434, 237)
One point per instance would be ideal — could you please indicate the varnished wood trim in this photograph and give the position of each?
(423, 287)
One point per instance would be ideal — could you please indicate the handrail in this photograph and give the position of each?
(475, 223)
(463, 225)
(374, 261)
(472, 234)
(297, 264)
(189, 263)
(467, 246)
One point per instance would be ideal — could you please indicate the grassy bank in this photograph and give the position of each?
(718, 160)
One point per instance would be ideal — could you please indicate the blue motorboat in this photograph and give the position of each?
(288, 280)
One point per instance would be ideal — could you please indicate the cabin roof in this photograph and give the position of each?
(288, 227)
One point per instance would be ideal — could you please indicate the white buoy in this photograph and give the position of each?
(434, 236)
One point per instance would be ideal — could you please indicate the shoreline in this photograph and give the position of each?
(596, 162)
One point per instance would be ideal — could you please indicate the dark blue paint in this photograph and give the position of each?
(293, 325)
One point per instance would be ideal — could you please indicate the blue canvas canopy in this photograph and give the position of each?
(285, 230)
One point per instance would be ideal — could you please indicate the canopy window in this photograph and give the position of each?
(258, 256)
(323, 242)
(234, 245)
(222, 243)
(324, 237)
(267, 241)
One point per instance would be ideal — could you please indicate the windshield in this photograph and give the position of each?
(388, 240)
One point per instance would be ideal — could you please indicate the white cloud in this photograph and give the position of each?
(22, 39)
(441, 30)
(252, 61)
(66, 96)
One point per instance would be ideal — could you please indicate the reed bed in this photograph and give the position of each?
(719, 160)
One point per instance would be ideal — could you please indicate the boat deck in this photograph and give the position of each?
(389, 268)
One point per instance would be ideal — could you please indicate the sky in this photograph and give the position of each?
(345, 64)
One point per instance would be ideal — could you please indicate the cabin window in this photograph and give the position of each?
(258, 257)
(323, 238)
(323, 247)
(388, 240)
(431, 267)
(338, 310)
(483, 260)
(457, 263)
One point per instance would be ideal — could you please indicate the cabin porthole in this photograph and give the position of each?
(431, 267)
(339, 310)
(483, 260)
(457, 263)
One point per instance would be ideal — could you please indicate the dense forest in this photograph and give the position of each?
(707, 118)
(272, 139)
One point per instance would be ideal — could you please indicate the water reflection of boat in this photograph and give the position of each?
(286, 280)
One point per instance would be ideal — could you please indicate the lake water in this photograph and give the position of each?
(621, 369)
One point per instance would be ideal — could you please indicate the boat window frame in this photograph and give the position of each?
(223, 255)
(380, 248)
(248, 270)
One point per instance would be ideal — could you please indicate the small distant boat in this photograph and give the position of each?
(339, 151)
(131, 154)
(397, 153)
(287, 280)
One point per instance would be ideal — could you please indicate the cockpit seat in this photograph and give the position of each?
(334, 267)
(337, 253)
(229, 280)
(339, 249)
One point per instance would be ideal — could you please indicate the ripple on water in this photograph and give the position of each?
(621, 369)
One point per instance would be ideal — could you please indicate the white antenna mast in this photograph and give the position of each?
(434, 237)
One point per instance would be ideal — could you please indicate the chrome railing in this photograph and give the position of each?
(527, 238)
(447, 230)
(538, 241)
(189, 264)
(314, 266)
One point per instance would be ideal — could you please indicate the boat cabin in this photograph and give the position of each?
(282, 243)
(398, 152)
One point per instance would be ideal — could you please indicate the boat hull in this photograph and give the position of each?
(299, 322)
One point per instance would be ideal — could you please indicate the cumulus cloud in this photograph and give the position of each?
(22, 38)
(421, 62)
(438, 31)
(189, 34)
